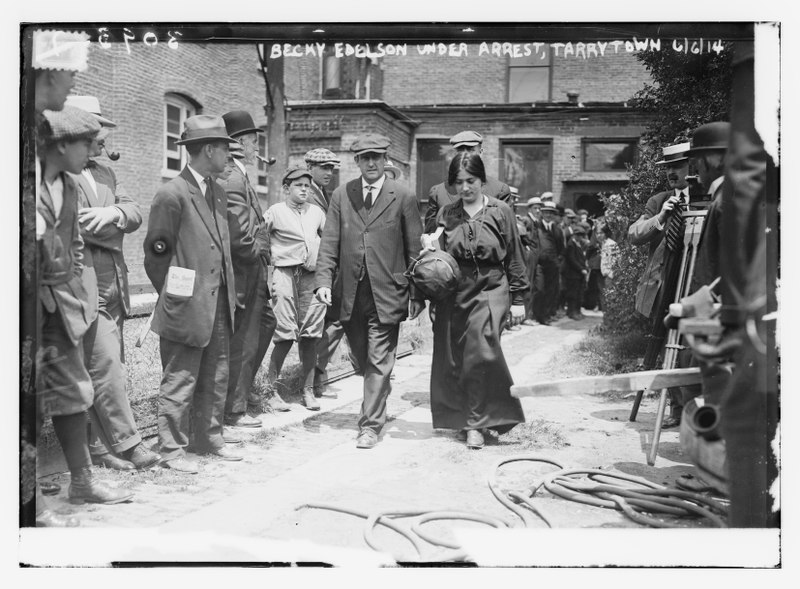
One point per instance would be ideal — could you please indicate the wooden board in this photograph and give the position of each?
(632, 381)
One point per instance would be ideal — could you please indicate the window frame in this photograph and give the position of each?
(187, 109)
(633, 141)
(548, 63)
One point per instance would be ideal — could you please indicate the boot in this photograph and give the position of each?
(50, 519)
(85, 489)
(309, 400)
(275, 403)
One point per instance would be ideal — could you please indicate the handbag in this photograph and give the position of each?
(435, 274)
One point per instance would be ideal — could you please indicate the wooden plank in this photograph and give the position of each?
(631, 381)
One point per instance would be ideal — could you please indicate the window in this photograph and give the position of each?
(176, 111)
(608, 155)
(527, 167)
(433, 159)
(529, 77)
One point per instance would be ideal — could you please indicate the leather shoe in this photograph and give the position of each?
(474, 439)
(366, 439)
(142, 457)
(230, 438)
(275, 403)
(671, 421)
(181, 465)
(49, 488)
(242, 420)
(50, 519)
(226, 455)
(108, 460)
(84, 488)
(309, 400)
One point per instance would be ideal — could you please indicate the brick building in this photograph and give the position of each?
(550, 122)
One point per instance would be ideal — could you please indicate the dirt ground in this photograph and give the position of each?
(301, 458)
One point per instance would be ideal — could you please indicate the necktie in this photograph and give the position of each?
(209, 195)
(368, 200)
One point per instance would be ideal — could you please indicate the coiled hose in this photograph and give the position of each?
(638, 499)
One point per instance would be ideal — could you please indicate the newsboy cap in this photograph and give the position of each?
(710, 137)
(91, 105)
(674, 153)
(70, 124)
(322, 156)
(239, 122)
(293, 173)
(569, 213)
(468, 138)
(204, 129)
(370, 143)
(578, 230)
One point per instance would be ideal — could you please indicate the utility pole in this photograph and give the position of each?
(277, 124)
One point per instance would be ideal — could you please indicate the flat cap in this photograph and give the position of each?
(469, 138)
(578, 230)
(569, 213)
(322, 156)
(71, 124)
(204, 129)
(370, 143)
(293, 173)
(534, 200)
(90, 104)
(60, 50)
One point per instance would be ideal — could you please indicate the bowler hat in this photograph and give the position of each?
(92, 105)
(370, 143)
(466, 138)
(239, 122)
(710, 137)
(204, 129)
(295, 172)
(674, 153)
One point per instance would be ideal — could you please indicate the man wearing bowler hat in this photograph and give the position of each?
(441, 194)
(187, 257)
(648, 230)
(372, 233)
(254, 322)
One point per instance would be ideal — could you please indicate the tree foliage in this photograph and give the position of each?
(686, 91)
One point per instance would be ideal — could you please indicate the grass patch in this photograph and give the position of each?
(535, 434)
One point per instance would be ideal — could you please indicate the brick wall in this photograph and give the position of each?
(131, 89)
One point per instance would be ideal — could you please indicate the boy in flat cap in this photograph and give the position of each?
(187, 257)
(294, 228)
(68, 296)
(441, 194)
(372, 233)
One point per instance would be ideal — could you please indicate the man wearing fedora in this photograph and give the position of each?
(105, 215)
(648, 230)
(441, 194)
(254, 322)
(187, 257)
(371, 235)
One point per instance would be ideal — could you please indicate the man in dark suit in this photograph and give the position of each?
(530, 241)
(648, 230)
(106, 214)
(371, 234)
(187, 257)
(254, 322)
(551, 246)
(574, 271)
(441, 194)
(321, 163)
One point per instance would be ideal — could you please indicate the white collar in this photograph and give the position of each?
(377, 186)
(201, 181)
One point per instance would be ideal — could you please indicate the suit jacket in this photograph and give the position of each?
(65, 285)
(183, 232)
(249, 241)
(439, 196)
(574, 261)
(385, 239)
(707, 264)
(551, 243)
(110, 237)
(320, 197)
(644, 231)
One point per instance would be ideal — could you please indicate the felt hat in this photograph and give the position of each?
(370, 143)
(204, 129)
(710, 137)
(92, 105)
(239, 122)
(322, 156)
(674, 153)
(293, 173)
(70, 124)
(467, 139)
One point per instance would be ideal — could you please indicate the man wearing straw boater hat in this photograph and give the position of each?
(187, 257)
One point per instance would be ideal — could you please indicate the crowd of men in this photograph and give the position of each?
(233, 278)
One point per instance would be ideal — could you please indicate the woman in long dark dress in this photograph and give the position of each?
(470, 380)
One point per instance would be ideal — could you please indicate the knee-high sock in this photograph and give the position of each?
(276, 360)
(308, 360)
(71, 433)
